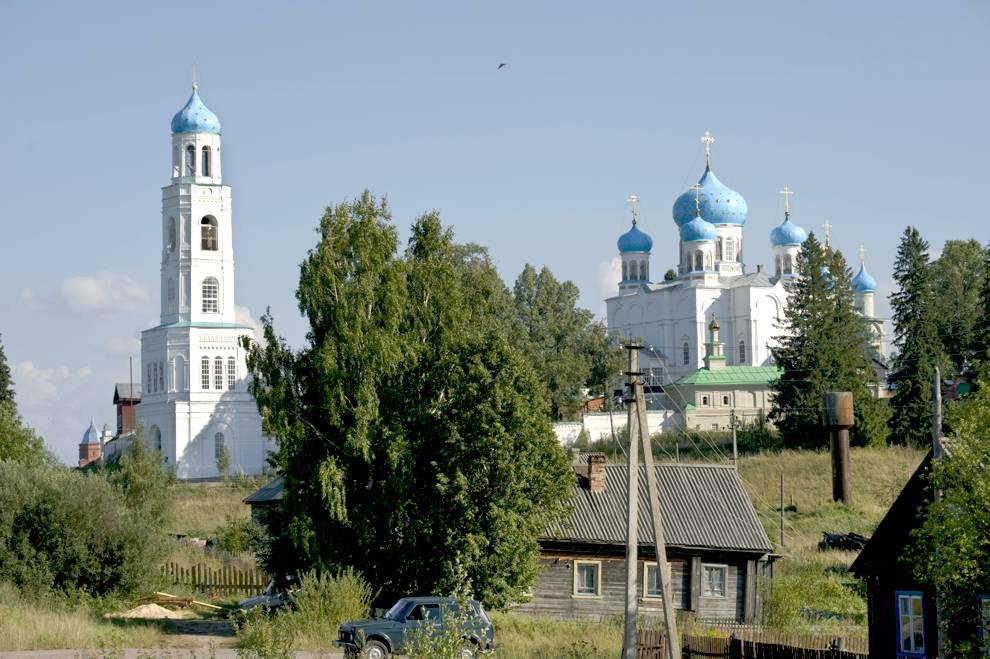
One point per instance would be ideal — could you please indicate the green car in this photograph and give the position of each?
(379, 638)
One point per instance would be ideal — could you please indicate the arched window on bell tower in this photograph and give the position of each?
(208, 234)
(205, 162)
(171, 239)
(190, 160)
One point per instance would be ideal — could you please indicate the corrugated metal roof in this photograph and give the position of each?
(702, 506)
(126, 391)
(270, 492)
(732, 375)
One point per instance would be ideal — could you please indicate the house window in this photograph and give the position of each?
(208, 234)
(713, 580)
(651, 580)
(205, 372)
(231, 372)
(205, 161)
(218, 373)
(211, 295)
(687, 353)
(217, 445)
(911, 623)
(742, 352)
(587, 578)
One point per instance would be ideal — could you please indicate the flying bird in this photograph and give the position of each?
(502, 65)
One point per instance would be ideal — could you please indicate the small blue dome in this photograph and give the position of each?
(635, 240)
(719, 204)
(92, 435)
(697, 230)
(787, 234)
(864, 282)
(195, 117)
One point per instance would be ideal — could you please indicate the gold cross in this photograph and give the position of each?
(708, 140)
(787, 192)
(195, 86)
(827, 227)
(697, 198)
(633, 200)
(862, 255)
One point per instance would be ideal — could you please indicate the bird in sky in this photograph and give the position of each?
(502, 65)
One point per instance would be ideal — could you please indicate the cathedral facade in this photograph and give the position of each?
(195, 404)
(711, 281)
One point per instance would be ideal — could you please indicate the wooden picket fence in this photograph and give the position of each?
(758, 645)
(224, 581)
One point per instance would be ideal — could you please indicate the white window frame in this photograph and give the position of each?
(204, 372)
(910, 596)
(218, 443)
(231, 373)
(598, 579)
(211, 303)
(647, 595)
(161, 376)
(705, 592)
(218, 373)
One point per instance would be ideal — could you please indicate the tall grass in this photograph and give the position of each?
(518, 635)
(201, 509)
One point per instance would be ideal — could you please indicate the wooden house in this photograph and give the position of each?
(717, 549)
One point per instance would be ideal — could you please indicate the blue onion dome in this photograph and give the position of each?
(787, 234)
(697, 230)
(195, 117)
(864, 282)
(719, 203)
(92, 435)
(635, 240)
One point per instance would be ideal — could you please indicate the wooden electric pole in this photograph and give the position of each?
(629, 641)
(937, 453)
(672, 640)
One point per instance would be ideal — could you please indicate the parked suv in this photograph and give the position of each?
(380, 637)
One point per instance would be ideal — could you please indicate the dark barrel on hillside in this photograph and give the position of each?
(838, 418)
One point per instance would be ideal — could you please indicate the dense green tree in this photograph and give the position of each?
(413, 434)
(6, 382)
(825, 347)
(981, 333)
(919, 350)
(952, 547)
(18, 443)
(957, 280)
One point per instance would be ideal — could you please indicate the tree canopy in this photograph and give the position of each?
(6, 381)
(825, 347)
(18, 442)
(413, 434)
(957, 280)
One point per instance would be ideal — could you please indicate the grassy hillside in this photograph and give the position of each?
(202, 508)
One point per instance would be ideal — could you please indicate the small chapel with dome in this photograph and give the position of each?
(676, 317)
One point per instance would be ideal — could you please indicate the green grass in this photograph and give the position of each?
(528, 636)
(200, 509)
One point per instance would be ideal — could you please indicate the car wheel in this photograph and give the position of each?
(468, 651)
(375, 650)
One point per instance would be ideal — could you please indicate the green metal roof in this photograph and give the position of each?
(732, 375)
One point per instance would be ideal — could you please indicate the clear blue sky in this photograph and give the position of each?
(874, 113)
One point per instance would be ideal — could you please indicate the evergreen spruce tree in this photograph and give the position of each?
(825, 347)
(957, 281)
(916, 339)
(6, 382)
(981, 332)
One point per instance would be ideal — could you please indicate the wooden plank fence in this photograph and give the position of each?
(760, 645)
(224, 581)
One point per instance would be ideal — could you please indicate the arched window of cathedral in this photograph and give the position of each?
(172, 234)
(190, 160)
(161, 376)
(699, 260)
(155, 439)
(730, 249)
(208, 233)
(686, 349)
(179, 373)
(725, 400)
(718, 249)
(205, 372)
(633, 274)
(170, 305)
(204, 162)
(643, 273)
(708, 261)
(788, 264)
(218, 373)
(625, 271)
(211, 295)
(742, 352)
(778, 264)
(148, 379)
(704, 401)
(217, 445)
(231, 372)
(154, 377)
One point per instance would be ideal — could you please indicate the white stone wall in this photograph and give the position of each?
(599, 426)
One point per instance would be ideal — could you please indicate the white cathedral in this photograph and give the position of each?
(195, 401)
(672, 317)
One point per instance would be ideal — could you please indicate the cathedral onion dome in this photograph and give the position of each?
(787, 234)
(195, 117)
(635, 240)
(864, 282)
(698, 230)
(92, 435)
(719, 203)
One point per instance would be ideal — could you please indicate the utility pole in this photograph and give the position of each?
(673, 641)
(937, 453)
(735, 448)
(629, 640)
(781, 509)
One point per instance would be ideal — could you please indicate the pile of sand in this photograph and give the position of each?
(150, 612)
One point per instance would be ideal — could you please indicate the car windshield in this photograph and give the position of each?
(398, 610)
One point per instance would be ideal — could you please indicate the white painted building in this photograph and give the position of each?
(195, 398)
(711, 282)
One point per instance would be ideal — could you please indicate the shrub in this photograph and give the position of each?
(240, 535)
(322, 603)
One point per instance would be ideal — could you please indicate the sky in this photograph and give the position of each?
(874, 113)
